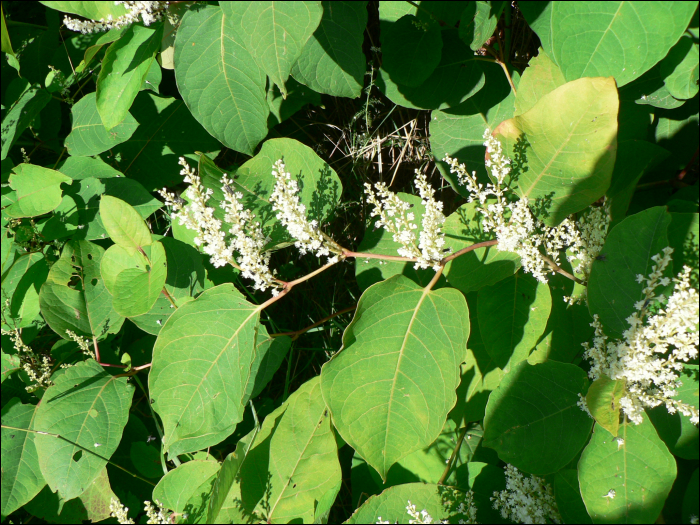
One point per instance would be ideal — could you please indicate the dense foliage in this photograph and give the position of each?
(346, 261)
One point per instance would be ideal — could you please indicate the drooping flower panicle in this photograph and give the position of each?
(651, 354)
(148, 12)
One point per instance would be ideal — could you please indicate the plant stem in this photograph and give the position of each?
(503, 66)
(361, 255)
(170, 298)
(558, 269)
(451, 461)
(507, 31)
(297, 333)
(435, 278)
(467, 250)
(58, 436)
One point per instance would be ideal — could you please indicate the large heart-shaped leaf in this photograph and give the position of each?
(570, 139)
(411, 50)
(218, 78)
(88, 407)
(390, 388)
(201, 368)
(620, 39)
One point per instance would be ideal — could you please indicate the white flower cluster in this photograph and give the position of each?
(526, 500)
(37, 367)
(395, 217)
(583, 405)
(517, 230)
(149, 12)
(466, 507)
(650, 356)
(292, 214)
(119, 511)
(157, 514)
(83, 343)
(246, 235)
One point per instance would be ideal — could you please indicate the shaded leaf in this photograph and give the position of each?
(478, 22)
(189, 480)
(332, 61)
(91, 10)
(644, 473)
(411, 50)
(21, 113)
(532, 418)
(541, 77)
(568, 497)
(136, 290)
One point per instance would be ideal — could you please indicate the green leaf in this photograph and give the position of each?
(269, 354)
(117, 259)
(541, 77)
(570, 136)
(684, 238)
(613, 289)
(676, 430)
(84, 307)
(568, 497)
(78, 168)
(620, 39)
(680, 68)
(298, 96)
(88, 135)
(10, 364)
(634, 158)
(201, 368)
(91, 10)
(38, 190)
(411, 50)
(637, 466)
(21, 113)
(189, 480)
(6, 43)
(459, 131)
(21, 477)
(218, 78)
(478, 22)
(86, 406)
(332, 61)
(124, 69)
(137, 289)
(276, 33)
(446, 13)
(390, 388)
(512, 316)
(690, 501)
(457, 77)
(390, 505)
(167, 131)
(603, 400)
(21, 287)
(293, 462)
(123, 223)
(532, 418)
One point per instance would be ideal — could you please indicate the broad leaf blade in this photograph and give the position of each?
(201, 368)
(532, 418)
(124, 68)
(390, 388)
(21, 476)
(571, 141)
(332, 61)
(218, 78)
(137, 289)
(89, 407)
(276, 33)
(178, 486)
(38, 190)
(123, 223)
(411, 50)
(22, 112)
(638, 469)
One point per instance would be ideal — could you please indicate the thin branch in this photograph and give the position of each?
(503, 66)
(295, 335)
(435, 278)
(361, 255)
(450, 462)
(467, 250)
(554, 266)
(58, 436)
(170, 298)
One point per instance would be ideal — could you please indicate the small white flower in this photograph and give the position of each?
(149, 12)
(611, 494)
(526, 500)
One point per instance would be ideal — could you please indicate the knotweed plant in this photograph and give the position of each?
(527, 499)
(662, 337)
(519, 231)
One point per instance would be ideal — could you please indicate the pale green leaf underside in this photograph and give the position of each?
(176, 488)
(87, 406)
(219, 80)
(201, 368)
(390, 388)
(123, 223)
